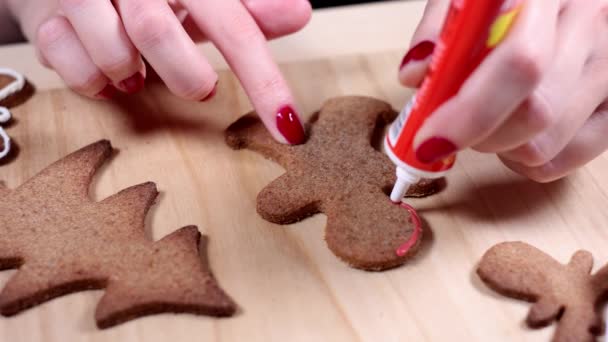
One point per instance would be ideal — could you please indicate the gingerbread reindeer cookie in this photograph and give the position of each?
(61, 242)
(339, 173)
(568, 294)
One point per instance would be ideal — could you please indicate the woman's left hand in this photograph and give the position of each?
(539, 101)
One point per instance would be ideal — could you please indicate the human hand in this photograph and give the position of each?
(97, 46)
(539, 100)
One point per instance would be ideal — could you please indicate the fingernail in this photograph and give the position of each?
(419, 52)
(107, 93)
(289, 125)
(133, 84)
(211, 94)
(434, 149)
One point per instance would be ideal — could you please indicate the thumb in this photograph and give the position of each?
(416, 61)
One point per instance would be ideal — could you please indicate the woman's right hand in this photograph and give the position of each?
(98, 46)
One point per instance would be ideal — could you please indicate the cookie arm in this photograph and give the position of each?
(249, 132)
(286, 200)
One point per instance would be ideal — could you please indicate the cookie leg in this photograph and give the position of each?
(370, 232)
(286, 200)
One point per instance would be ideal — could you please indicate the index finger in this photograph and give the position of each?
(234, 31)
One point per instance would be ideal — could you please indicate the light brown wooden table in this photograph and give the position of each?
(287, 283)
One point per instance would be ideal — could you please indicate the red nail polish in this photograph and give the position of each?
(419, 52)
(211, 94)
(289, 125)
(133, 84)
(434, 149)
(107, 93)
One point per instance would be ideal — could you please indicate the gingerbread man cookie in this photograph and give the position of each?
(339, 173)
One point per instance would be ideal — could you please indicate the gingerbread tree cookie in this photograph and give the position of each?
(339, 173)
(64, 242)
(568, 294)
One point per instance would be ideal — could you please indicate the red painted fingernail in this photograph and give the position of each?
(434, 149)
(107, 93)
(419, 52)
(289, 125)
(211, 94)
(134, 83)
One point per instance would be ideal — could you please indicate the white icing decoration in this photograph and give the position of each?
(7, 143)
(5, 115)
(14, 86)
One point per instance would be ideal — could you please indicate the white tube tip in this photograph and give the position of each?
(399, 190)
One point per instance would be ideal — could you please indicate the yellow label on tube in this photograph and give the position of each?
(501, 26)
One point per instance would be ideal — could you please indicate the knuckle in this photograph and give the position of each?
(148, 28)
(478, 123)
(538, 114)
(527, 63)
(532, 155)
(240, 29)
(273, 85)
(52, 31)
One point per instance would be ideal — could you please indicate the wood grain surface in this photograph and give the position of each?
(289, 286)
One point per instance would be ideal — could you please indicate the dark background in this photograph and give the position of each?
(330, 3)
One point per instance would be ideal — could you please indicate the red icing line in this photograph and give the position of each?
(404, 248)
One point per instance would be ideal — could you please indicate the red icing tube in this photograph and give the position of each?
(471, 30)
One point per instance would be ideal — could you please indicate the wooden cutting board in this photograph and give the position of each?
(287, 283)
